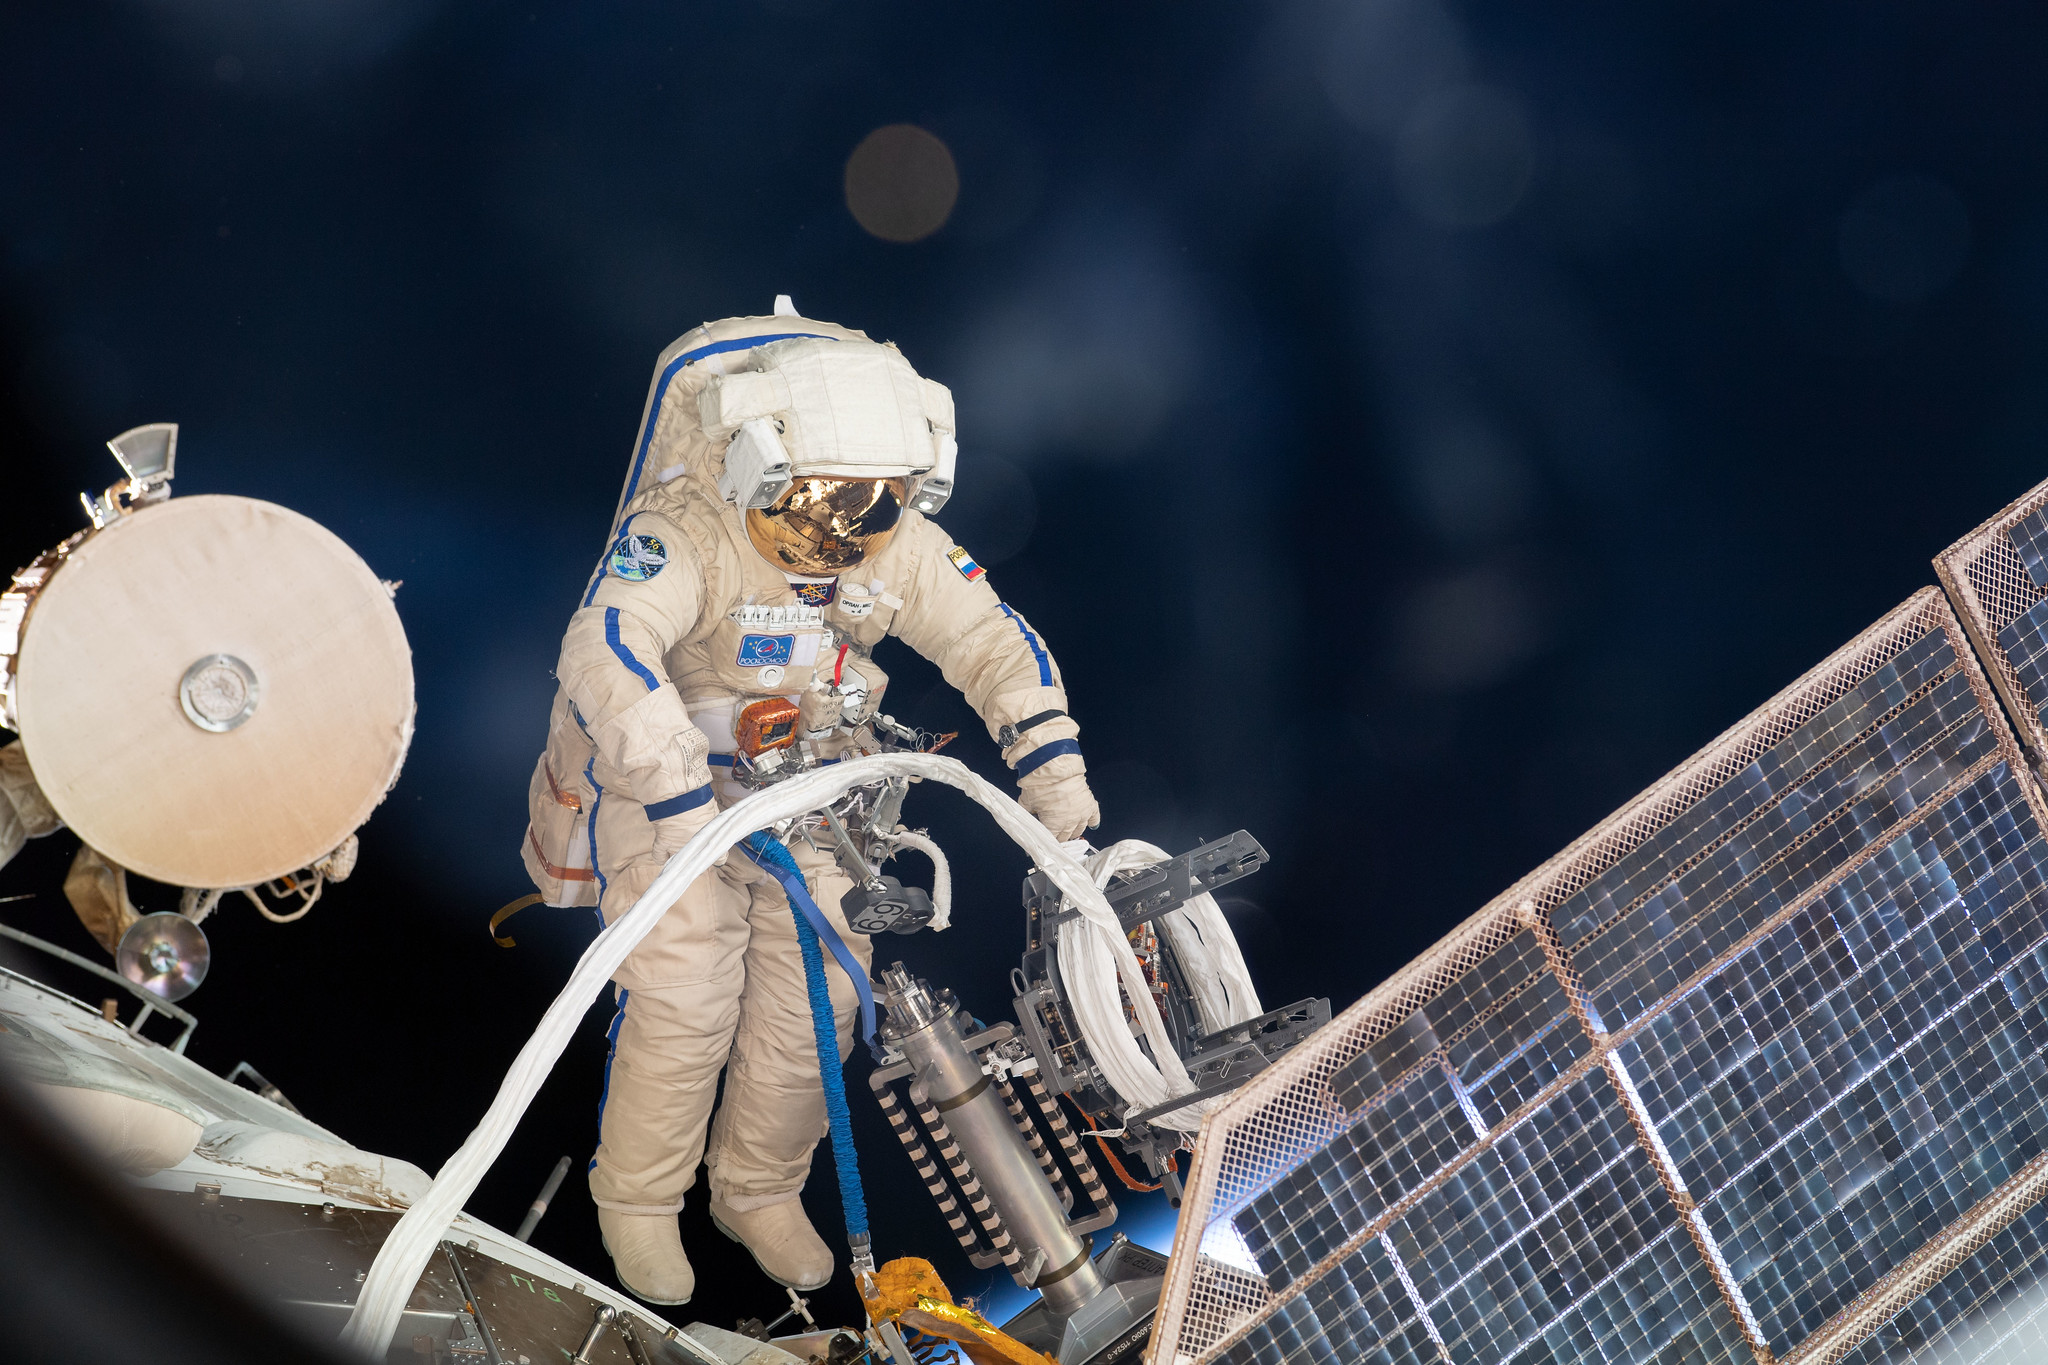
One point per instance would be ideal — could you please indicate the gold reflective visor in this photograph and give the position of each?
(824, 526)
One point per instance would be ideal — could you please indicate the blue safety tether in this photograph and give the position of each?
(811, 926)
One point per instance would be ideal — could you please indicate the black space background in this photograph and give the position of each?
(1413, 545)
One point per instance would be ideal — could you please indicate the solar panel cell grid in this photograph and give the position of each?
(1496, 991)
(1650, 950)
(1499, 978)
(1661, 1307)
(1387, 1154)
(1810, 1248)
(1538, 1062)
(1987, 1311)
(1996, 577)
(1383, 1061)
(2025, 643)
(1842, 1092)
(1357, 1312)
(1515, 1296)
(1779, 768)
(1539, 1002)
(1716, 1047)
(1527, 1172)
(2029, 536)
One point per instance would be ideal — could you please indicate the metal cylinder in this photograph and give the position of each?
(988, 1137)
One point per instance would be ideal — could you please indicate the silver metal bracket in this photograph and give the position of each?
(148, 455)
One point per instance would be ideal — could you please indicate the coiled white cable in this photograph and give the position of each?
(405, 1253)
(1090, 968)
(1201, 938)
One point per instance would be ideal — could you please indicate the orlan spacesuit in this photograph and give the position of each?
(766, 539)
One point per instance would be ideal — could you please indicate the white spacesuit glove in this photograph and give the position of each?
(673, 831)
(1064, 805)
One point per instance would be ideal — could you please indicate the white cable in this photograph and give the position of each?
(1216, 974)
(1201, 938)
(306, 902)
(405, 1253)
(942, 875)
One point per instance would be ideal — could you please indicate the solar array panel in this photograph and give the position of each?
(1755, 1070)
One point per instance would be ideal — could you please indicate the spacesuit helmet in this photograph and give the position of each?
(825, 441)
(824, 526)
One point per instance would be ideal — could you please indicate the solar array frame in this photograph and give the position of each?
(1343, 1146)
(1997, 576)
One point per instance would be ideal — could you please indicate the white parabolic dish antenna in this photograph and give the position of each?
(214, 691)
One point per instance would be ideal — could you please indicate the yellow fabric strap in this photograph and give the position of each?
(507, 913)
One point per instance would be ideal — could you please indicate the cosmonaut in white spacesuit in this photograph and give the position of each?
(768, 537)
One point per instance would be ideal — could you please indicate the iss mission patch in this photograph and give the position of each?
(964, 562)
(638, 558)
(763, 651)
(816, 594)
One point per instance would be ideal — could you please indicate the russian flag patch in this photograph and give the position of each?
(964, 562)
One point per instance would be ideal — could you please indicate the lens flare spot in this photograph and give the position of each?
(901, 183)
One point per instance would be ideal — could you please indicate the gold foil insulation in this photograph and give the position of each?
(766, 724)
(910, 1293)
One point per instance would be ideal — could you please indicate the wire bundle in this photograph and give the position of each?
(1092, 968)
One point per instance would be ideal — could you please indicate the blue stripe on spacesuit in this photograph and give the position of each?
(668, 372)
(1037, 650)
(604, 1092)
(611, 637)
(590, 776)
(1046, 753)
(676, 805)
(727, 761)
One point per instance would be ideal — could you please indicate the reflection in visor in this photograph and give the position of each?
(822, 526)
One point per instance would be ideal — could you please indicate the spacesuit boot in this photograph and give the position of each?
(785, 1245)
(647, 1252)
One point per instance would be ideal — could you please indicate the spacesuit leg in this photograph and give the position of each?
(678, 1008)
(773, 1113)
